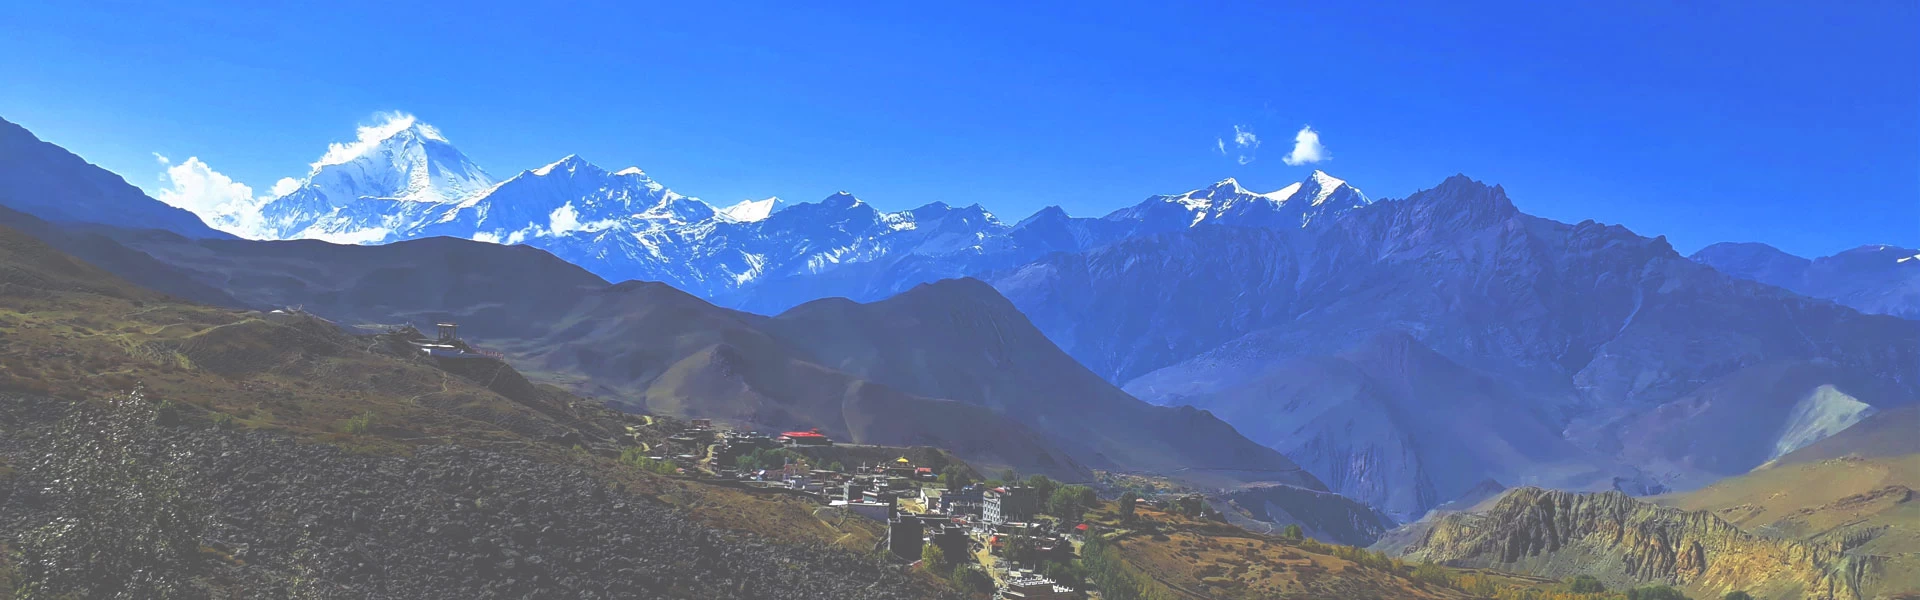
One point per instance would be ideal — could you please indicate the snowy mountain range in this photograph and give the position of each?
(404, 180)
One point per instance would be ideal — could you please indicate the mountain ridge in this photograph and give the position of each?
(53, 184)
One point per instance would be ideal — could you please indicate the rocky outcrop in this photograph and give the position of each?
(1625, 542)
(1321, 515)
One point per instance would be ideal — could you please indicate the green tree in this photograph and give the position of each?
(1043, 486)
(1293, 532)
(932, 558)
(1066, 573)
(1737, 595)
(1128, 501)
(1070, 503)
(1585, 584)
(1022, 550)
(1192, 505)
(956, 477)
(1009, 476)
(969, 579)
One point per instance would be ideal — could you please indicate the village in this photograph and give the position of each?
(934, 509)
(1013, 538)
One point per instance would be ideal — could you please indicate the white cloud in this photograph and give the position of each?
(563, 219)
(197, 187)
(368, 136)
(225, 204)
(286, 185)
(1245, 143)
(1306, 148)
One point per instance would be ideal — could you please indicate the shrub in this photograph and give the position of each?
(1655, 592)
(634, 457)
(360, 424)
(1737, 595)
(1116, 579)
(1293, 532)
(1585, 584)
(222, 420)
(1432, 574)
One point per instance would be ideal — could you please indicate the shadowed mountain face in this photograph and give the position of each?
(1874, 279)
(48, 182)
(960, 339)
(1588, 327)
(656, 347)
(1400, 427)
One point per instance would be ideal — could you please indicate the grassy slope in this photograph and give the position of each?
(72, 331)
(1197, 559)
(1867, 505)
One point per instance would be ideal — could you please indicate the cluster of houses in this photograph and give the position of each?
(900, 494)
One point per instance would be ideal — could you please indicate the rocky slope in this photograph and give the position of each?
(1321, 515)
(1875, 279)
(1628, 542)
(258, 515)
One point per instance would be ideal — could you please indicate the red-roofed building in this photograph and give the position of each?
(811, 437)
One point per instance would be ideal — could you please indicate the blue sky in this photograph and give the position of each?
(1788, 123)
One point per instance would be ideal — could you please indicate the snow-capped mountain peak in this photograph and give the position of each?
(748, 211)
(364, 191)
(401, 159)
(1230, 203)
(569, 163)
(1321, 187)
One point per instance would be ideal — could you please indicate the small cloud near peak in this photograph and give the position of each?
(1306, 148)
